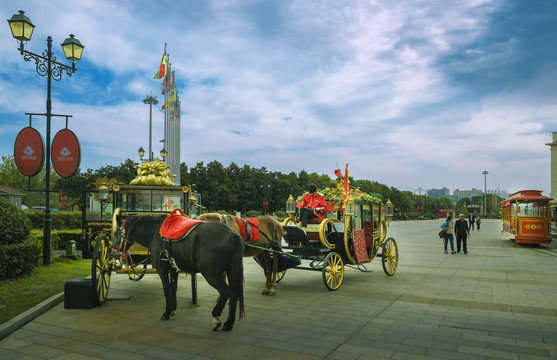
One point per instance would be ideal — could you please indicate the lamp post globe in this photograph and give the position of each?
(21, 26)
(141, 152)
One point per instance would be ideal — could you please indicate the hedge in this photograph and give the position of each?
(18, 259)
(59, 238)
(60, 219)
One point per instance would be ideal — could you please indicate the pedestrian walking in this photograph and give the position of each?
(448, 227)
(462, 232)
(472, 219)
(478, 222)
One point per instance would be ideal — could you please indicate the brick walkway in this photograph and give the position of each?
(497, 302)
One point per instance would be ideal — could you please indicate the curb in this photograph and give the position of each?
(12, 325)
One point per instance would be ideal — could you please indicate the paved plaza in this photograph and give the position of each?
(497, 302)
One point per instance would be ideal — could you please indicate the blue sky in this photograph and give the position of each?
(412, 94)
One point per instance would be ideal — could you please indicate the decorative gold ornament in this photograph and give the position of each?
(153, 173)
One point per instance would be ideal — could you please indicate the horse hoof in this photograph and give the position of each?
(271, 293)
(173, 313)
(165, 317)
(227, 326)
(216, 324)
(265, 292)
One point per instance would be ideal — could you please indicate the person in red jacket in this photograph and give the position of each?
(312, 203)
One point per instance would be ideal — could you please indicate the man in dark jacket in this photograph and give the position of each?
(462, 231)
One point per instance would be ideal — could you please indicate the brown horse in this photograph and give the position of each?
(270, 237)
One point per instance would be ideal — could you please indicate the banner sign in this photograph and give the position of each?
(29, 151)
(65, 153)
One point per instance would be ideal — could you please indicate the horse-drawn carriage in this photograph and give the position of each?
(351, 234)
(98, 243)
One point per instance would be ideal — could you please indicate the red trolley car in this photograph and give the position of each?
(526, 217)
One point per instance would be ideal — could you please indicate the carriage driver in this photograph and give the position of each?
(312, 203)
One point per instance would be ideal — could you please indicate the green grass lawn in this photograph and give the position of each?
(19, 295)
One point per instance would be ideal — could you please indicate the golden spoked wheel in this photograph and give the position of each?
(333, 271)
(280, 275)
(137, 270)
(389, 258)
(288, 221)
(325, 228)
(101, 267)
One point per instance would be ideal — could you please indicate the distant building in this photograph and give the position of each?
(461, 194)
(439, 193)
(13, 196)
(498, 192)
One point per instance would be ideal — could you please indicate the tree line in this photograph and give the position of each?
(231, 188)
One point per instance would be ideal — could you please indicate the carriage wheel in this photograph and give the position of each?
(389, 258)
(333, 271)
(280, 275)
(101, 268)
(325, 228)
(288, 221)
(138, 270)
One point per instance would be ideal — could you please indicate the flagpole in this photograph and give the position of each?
(165, 98)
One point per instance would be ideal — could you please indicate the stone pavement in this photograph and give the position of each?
(497, 302)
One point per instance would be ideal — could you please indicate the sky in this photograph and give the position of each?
(414, 94)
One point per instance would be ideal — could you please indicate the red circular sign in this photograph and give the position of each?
(29, 151)
(65, 153)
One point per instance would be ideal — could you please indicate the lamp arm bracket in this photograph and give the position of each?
(42, 64)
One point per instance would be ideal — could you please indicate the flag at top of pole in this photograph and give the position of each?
(162, 69)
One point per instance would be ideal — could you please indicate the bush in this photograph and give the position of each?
(18, 259)
(222, 212)
(14, 225)
(281, 214)
(253, 213)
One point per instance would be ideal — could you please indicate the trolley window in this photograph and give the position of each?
(532, 209)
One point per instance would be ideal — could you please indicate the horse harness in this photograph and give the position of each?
(249, 241)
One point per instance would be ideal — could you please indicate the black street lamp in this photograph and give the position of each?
(22, 30)
(265, 201)
(164, 154)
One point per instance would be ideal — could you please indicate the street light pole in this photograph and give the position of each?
(485, 191)
(150, 100)
(46, 65)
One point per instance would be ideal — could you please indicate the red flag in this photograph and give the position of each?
(346, 186)
(338, 173)
(162, 68)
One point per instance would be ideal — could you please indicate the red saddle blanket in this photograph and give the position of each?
(250, 233)
(177, 225)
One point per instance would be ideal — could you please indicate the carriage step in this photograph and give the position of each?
(78, 294)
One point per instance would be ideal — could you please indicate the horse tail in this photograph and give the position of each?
(236, 276)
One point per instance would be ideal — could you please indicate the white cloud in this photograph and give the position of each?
(297, 85)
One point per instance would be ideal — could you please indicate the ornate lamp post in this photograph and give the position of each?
(46, 65)
(164, 154)
(103, 197)
(141, 152)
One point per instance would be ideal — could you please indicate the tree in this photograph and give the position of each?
(123, 173)
(11, 177)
